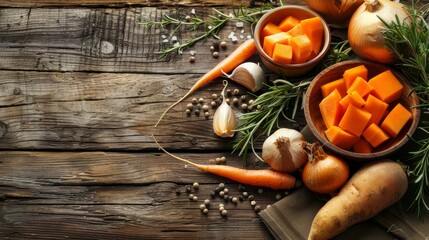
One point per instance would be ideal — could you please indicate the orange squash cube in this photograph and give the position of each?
(331, 109)
(361, 86)
(270, 29)
(354, 120)
(301, 48)
(396, 120)
(362, 146)
(313, 28)
(329, 87)
(341, 138)
(375, 135)
(351, 74)
(270, 42)
(376, 107)
(282, 53)
(288, 23)
(386, 86)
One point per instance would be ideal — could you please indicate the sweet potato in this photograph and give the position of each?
(374, 187)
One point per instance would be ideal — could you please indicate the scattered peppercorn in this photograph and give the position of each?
(221, 209)
(207, 202)
(212, 49)
(278, 196)
(215, 54)
(221, 194)
(251, 101)
(214, 96)
(260, 190)
(191, 59)
(224, 213)
(217, 190)
(235, 101)
(223, 44)
(221, 205)
(206, 115)
(241, 198)
(194, 101)
(188, 18)
(188, 112)
(212, 194)
(244, 106)
(213, 104)
(191, 196)
(227, 101)
(245, 194)
(195, 185)
(236, 91)
(251, 197)
(241, 188)
(226, 197)
(257, 208)
(195, 198)
(190, 106)
(234, 200)
(216, 46)
(205, 108)
(226, 190)
(202, 207)
(243, 98)
(205, 211)
(201, 100)
(222, 186)
(188, 188)
(253, 203)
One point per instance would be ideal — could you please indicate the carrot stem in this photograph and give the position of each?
(238, 56)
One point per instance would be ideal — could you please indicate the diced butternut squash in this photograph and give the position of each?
(386, 86)
(352, 73)
(331, 109)
(362, 146)
(354, 120)
(352, 98)
(270, 42)
(375, 135)
(295, 31)
(376, 107)
(313, 28)
(288, 23)
(396, 120)
(301, 48)
(270, 29)
(331, 86)
(356, 99)
(361, 86)
(282, 53)
(341, 138)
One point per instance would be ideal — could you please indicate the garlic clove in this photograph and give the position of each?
(248, 74)
(224, 121)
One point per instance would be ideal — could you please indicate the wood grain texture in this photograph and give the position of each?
(103, 111)
(101, 40)
(87, 195)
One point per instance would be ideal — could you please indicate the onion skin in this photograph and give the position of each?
(365, 28)
(335, 12)
(324, 173)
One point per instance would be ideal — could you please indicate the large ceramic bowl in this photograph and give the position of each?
(275, 16)
(317, 127)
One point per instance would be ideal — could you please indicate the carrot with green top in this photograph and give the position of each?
(260, 178)
(238, 56)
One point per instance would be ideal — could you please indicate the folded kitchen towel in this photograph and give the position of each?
(291, 218)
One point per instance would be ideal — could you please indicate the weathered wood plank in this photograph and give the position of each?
(121, 3)
(48, 110)
(98, 39)
(51, 195)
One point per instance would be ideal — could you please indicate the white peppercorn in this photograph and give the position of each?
(202, 207)
(215, 54)
(201, 100)
(205, 211)
(260, 190)
(194, 101)
(195, 185)
(234, 200)
(191, 196)
(214, 96)
(194, 198)
(205, 108)
(188, 112)
(190, 106)
(226, 190)
(235, 101)
(207, 202)
(206, 115)
(253, 203)
(244, 106)
(221, 193)
(223, 44)
(236, 91)
(224, 213)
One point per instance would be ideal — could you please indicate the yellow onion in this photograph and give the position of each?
(365, 29)
(284, 150)
(335, 12)
(324, 173)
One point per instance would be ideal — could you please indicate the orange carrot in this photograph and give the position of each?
(238, 56)
(260, 178)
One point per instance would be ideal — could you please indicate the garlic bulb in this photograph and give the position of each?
(365, 29)
(248, 74)
(284, 150)
(224, 121)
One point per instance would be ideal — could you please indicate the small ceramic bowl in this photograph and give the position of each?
(275, 16)
(317, 127)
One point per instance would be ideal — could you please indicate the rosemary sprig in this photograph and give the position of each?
(409, 41)
(212, 26)
(274, 102)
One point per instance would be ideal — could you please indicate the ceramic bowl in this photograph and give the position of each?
(275, 16)
(317, 127)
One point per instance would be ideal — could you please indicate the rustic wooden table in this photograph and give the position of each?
(81, 89)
